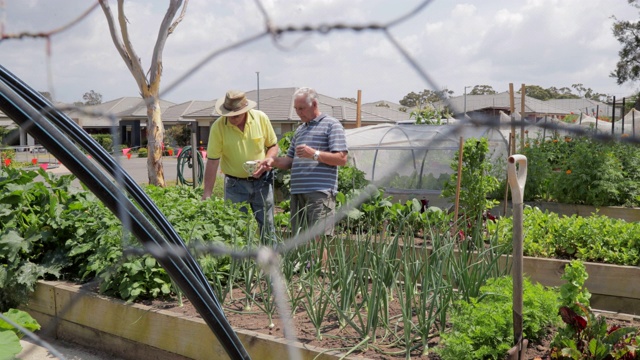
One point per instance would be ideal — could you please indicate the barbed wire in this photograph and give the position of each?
(270, 258)
(44, 34)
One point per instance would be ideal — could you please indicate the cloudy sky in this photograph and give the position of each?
(456, 43)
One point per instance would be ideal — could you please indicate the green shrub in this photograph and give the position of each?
(142, 152)
(483, 327)
(583, 171)
(104, 140)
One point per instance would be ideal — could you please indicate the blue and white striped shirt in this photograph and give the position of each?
(323, 133)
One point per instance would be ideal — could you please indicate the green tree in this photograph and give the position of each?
(537, 92)
(482, 90)
(588, 93)
(626, 32)
(420, 100)
(351, 100)
(92, 98)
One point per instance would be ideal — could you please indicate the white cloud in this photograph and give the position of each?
(508, 18)
(457, 43)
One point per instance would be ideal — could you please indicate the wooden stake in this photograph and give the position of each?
(359, 109)
(506, 190)
(512, 109)
(522, 115)
(458, 185)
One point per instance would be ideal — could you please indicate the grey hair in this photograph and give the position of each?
(308, 93)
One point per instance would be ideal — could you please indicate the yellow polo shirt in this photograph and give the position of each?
(233, 147)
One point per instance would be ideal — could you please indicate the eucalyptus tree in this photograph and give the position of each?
(149, 85)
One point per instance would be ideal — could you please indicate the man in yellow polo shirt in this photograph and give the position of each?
(243, 134)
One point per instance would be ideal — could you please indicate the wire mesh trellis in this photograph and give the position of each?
(269, 259)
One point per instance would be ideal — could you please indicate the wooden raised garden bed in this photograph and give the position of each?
(134, 331)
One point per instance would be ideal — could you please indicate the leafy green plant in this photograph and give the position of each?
(140, 277)
(585, 335)
(51, 229)
(595, 238)
(573, 291)
(10, 336)
(31, 229)
(476, 180)
(588, 336)
(482, 328)
(349, 178)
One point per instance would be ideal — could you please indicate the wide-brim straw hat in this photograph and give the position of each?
(234, 103)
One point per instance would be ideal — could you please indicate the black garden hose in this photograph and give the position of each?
(34, 113)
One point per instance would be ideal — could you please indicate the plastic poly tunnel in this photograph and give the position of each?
(415, 159)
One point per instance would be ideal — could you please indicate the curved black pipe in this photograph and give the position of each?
(15, 105)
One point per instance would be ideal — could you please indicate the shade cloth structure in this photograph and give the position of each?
(602, 127)
(416, 159)
(630, 124)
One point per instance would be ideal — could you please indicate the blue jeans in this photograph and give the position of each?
(258, 193)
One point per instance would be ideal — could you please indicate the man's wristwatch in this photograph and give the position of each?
(316, 155)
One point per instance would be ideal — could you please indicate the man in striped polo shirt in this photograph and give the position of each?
(318, 147)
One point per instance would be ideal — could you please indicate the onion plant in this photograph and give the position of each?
(249, 270)
(317, 295)
(475, 261)
(264, 292)
(343, 281)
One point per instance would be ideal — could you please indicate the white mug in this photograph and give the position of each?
(250, 166)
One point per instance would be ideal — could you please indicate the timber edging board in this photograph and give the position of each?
(614, 212)
(134, 331)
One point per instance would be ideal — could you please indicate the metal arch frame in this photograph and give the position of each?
(375, 156)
